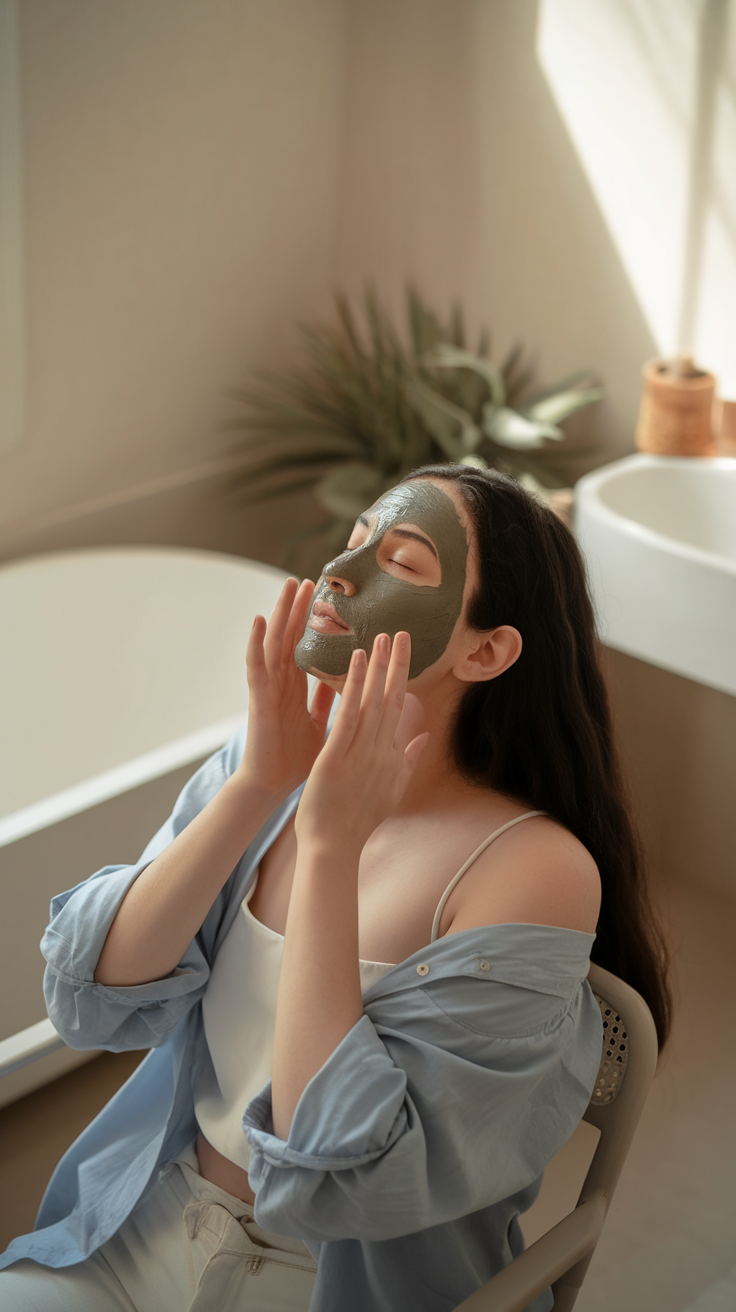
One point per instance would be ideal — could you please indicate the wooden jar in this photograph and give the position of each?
(675, 412)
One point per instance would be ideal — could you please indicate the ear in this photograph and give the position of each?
(488, 654)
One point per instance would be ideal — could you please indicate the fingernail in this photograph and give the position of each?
(403, 642)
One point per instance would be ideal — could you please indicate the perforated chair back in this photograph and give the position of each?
(561, 1257)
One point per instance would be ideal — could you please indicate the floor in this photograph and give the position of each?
(669, 1243)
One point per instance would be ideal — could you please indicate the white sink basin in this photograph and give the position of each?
(659, 537)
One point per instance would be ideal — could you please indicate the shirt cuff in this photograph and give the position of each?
(350, 1113)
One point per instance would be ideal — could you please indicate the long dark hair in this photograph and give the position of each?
(542, 732)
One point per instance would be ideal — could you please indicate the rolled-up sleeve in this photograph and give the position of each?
(407, 1128)
(90, 1015)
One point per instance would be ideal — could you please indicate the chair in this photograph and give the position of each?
(561, 1257)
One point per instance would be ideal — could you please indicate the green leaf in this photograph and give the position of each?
(509, 428)
(450, 357)
(451, 426)
(553, 409)
(517, 375)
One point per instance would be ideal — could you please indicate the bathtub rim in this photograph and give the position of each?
(119, 779)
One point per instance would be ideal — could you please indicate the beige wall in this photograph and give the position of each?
(198, 175)
(181, 167)
(678, 743)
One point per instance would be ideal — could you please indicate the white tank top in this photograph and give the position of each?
(239, 1013)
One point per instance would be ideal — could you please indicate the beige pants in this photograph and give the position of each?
(190, 1247)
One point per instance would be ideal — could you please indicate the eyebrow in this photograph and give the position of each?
(405, 533)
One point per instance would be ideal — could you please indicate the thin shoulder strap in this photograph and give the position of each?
(456, 878)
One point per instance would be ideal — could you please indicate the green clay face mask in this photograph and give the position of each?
(383, 603)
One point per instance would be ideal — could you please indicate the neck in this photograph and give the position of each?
(436, 774)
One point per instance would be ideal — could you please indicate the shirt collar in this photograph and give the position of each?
(545, 958)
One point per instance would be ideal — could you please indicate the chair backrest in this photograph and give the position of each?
(629, 1049)
(627, 1066)
(560, 1257)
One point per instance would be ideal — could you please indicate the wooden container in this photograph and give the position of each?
(675, 413)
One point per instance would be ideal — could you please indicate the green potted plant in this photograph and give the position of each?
(368, 406)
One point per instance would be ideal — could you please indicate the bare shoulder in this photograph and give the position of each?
(535, 873)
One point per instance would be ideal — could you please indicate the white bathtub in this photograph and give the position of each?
(121, 669)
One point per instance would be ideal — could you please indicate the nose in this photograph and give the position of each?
(343, 586)
(340, 573)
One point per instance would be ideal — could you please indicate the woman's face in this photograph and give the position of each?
(405, 568)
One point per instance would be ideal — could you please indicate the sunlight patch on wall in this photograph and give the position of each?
(715, 318)
(647, 92)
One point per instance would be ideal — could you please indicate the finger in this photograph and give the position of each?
(348, 712)
(411, 722)
(371, 709)
(395, 691)
(298, 618)
(255, 662)
(321, 706)
(277, 624)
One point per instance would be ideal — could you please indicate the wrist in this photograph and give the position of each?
(254, 793)
(260, 774)
(324, 848)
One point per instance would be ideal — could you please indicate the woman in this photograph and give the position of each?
(434, 1043)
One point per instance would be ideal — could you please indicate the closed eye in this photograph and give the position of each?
(426, 570)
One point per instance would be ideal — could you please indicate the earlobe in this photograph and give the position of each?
(490, 654)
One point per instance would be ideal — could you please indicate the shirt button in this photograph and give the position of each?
(423, 969)
(484, 965)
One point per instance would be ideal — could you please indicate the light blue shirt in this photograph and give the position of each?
(411, 1152)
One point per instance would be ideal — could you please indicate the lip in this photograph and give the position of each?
(325, 619)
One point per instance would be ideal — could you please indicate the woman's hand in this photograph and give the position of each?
(364, 767)
(168, 902)
(284, 734)
(357, 780)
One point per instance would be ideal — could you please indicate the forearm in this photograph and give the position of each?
(320, 997)
(168, 902)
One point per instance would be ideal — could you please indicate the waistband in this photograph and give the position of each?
(204, 1191)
